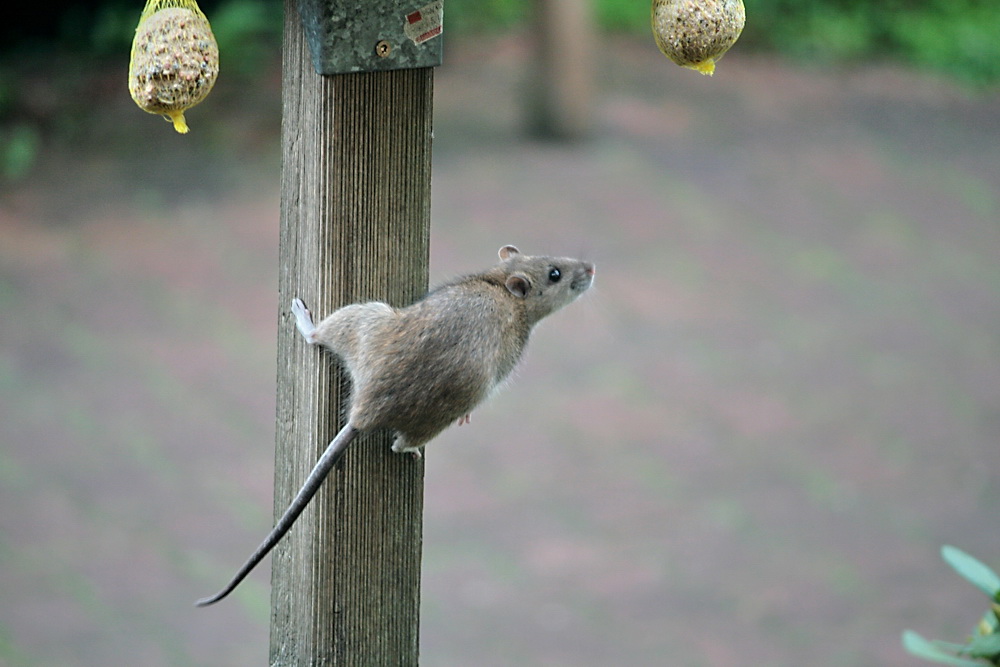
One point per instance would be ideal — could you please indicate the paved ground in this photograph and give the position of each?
(745, 447)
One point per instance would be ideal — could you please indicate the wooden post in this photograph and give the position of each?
(355, 209)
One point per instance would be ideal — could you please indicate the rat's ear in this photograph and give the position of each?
(518, 285)
(508, 251)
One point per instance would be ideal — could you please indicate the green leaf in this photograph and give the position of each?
(984, 646)
(977, 574)
(922, 648)
(957, 649)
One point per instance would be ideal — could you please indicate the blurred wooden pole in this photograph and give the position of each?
(561, 95)
(355, 222)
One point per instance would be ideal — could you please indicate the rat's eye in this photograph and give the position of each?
(554, 275)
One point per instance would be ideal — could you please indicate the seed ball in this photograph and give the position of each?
(175, 61)
(696, 33)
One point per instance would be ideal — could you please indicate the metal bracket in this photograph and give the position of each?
(372, 35)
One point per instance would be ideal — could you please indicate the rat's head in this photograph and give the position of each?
(546, 284)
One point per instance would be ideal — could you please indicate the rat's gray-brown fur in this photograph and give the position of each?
(415, 370)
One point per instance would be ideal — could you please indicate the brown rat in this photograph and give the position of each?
(415, 370)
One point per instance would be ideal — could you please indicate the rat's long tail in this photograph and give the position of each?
(333, 452)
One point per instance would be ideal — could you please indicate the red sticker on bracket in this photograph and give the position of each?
(424, 23)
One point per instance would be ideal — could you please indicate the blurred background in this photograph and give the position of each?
(744, 447)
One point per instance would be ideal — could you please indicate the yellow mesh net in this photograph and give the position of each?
(174, 60)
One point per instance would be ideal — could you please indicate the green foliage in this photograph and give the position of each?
(622, 16)
(112, 29)
(19, 147)
(935, 651)
(975, 572)
(483, 16)
(957, 37)
(248, 33)
(983, 647)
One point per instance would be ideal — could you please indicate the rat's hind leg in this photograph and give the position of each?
(304, 321)
(402, 446)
